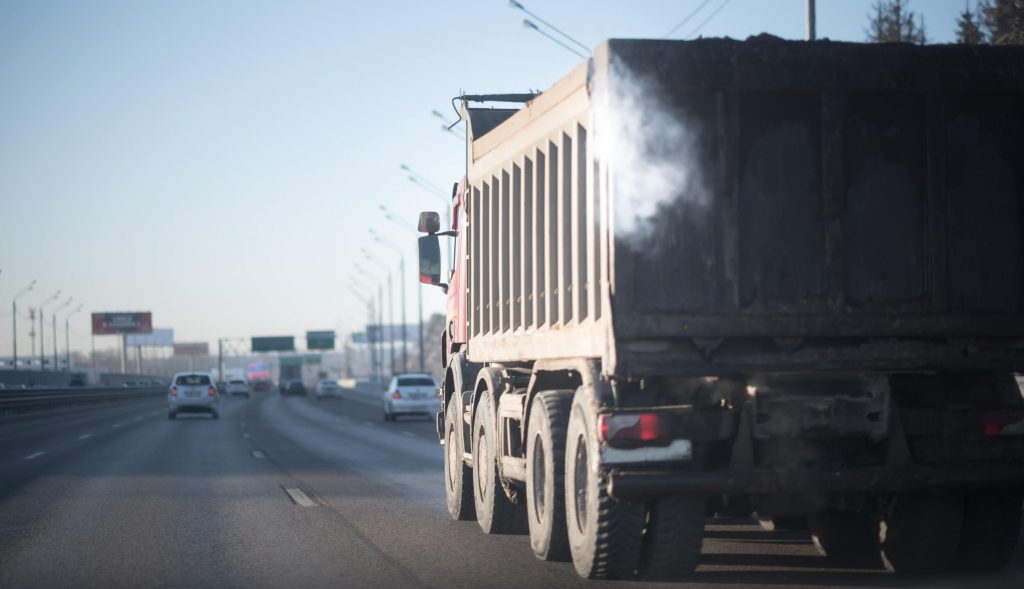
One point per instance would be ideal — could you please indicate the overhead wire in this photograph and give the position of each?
(713, 14)
(687, 19)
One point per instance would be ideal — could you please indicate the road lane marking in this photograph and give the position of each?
(245, 435)
(35, 455)
(408, 434)
(370, 423)
(299, 497)
(258, 454)
(84, 436)
(117, 425)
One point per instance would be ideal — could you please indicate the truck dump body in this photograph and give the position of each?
(714, 206)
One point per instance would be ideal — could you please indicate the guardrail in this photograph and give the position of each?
(25, 400)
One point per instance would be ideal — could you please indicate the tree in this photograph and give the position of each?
(1002, 20)
(894, 22)
(968, 31)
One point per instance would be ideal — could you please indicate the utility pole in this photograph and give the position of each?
(31, 334)
(811, 21)
(220, 359)
(42, 332)
(67, 337)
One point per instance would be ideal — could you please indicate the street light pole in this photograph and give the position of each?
(53, 320)
(391, 311)
(811, 21)
(42, 331)
(14, 322)
(401, 288)
(380, 314)
(67, 337)
(419, 285)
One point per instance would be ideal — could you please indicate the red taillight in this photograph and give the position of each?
(1002, 422)
(396, 395)
(174, 391)
(213, 391)
(634, 427)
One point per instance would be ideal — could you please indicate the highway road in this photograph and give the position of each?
(292, 492)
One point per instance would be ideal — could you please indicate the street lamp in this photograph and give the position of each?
(67, 338)
(42, 331)
(391, 309)
(419, 290)
(53, 320)
(355, 287)
(14, 322)
(380, 308)
(401, 288)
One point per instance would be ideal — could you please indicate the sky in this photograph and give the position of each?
(221, 163)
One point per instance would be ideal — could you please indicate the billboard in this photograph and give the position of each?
(284, 343)
(192, 349)
(319, 340)
(159, 337)
(118, 323)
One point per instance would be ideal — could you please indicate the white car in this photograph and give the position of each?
(192, 392)
(408, 394)
(326, 388)
(237, 387)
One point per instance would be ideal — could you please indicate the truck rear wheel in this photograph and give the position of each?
(920, 533)
(673, 539)
(604, 534)
(458, 487)
(991, 526)
(495, 513)
(545, 474)
(845, 537)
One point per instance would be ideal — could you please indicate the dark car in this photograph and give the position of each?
(293, 387)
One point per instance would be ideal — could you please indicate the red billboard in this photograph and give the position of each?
(118, 323)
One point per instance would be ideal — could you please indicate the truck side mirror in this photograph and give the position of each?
(430, 222)
(430, 260)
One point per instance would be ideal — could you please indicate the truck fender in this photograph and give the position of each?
(564, 374)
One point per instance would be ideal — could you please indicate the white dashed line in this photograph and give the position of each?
(245, 435)
(117, 425)
(34, 455)
(258, 454)
(84, 436)
(299, 497)
(409, 434)
(370, 423)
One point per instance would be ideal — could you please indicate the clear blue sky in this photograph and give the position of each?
(220, 163)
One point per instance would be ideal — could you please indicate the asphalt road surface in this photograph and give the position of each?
(292, 492)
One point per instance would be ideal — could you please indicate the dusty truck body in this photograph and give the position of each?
(732, 276)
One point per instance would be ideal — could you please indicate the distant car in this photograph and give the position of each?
(293, 387)
(237, 387)
(411, 394)
(192, 392)
(326, 388)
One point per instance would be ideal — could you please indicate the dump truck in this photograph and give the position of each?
(714, 276)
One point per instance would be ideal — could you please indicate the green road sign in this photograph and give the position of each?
(273, 344)
(319, 340)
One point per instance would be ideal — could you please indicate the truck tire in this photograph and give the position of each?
(495, 513)
(920, 532)
(458, 488)
(545, 474)
(990, 530)
(605, 534)
(845, 537)
(673, 539)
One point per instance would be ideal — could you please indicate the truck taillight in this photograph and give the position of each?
(213, 391)
(396, 395)
(634, 427)
(174, 391)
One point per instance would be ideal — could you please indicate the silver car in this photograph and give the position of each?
(408, 394)
(237, 387)
(192, 392)
(326, 388)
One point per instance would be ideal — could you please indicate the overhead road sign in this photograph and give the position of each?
(192, 349)
(284, 343)
(319, 340)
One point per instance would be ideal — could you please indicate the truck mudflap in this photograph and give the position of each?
(625, 483)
